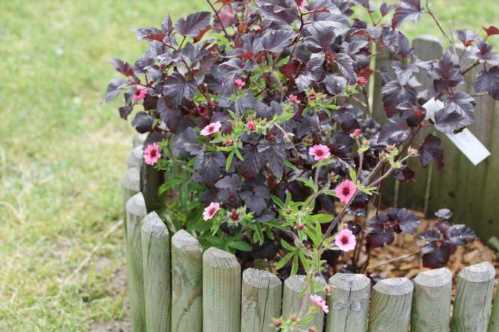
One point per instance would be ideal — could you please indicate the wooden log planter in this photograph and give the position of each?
(174, 286)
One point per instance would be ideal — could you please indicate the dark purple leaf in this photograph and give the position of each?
(406, 10)
(447, 73)
(176, 88)
(458, 113)
(431, 150)
(276, 40)
(209, 168)
(143, 122)
(125, 111)
(436, 255)
(185, 144)
(488, 81)
(445, 214)
(460, 234)
(394, 132)
(114, 88)
(335, 84)
(385, 9)
(229, 182)
(193, 24)
(379, 237)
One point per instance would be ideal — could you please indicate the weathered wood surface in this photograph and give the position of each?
(221, 292)
(348, 303)
(390, 309)
(432, 301)
(156, 267)
(413, 195)
(136, 157)
(187, 283)
(130, 185)
(494, 318)
(136, 211)
(261, 301)
(296, 301)
(473, 303)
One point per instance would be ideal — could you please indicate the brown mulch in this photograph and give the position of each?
(384, 262)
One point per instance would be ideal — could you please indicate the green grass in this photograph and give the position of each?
(62, 152)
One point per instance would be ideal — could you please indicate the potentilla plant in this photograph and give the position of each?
(258, 113)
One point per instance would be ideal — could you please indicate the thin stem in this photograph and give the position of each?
(219, 19)
(437, 22)
(394, 260)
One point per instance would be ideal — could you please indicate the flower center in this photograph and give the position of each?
(346, 191)
(319, 153)
(344, 240)
(152, 153)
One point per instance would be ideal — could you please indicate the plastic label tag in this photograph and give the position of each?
(465, 141)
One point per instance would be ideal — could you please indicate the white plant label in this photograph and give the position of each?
(465, 141)
(470, 146)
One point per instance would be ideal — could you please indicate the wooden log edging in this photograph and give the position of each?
(136, 211)
(187, 283)
(174, 287)
(156, 268)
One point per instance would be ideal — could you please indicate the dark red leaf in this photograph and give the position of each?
(193, 24)
(122, 67)
(491, 30)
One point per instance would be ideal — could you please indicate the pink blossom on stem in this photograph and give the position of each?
(239, 83)
(251, 125)
(140, 93)
(294, 99)
(345, 240)
(345, 191)
(211, 129)
(319, 152)
(319, 302)
(152, 154)
(211, 210)
(356, 133)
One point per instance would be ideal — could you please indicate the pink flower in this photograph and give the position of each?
(152, 154)
(211, 210)
(140, 93)
(294, 99)
(251, 125)
(345, 191)
(211, 129)
(318, 301)
(356, 133)
(319, 152)
(345, 240)
(239, 83)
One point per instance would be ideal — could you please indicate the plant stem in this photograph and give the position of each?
(219, 19)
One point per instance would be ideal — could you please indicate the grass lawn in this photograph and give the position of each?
(62, 153)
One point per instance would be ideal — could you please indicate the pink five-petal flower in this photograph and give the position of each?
(152, 154)
(318, 301)
(251, 125)
(140, 93)
(319, 152)
(345, 240)
(211, 210)
(345, 191)
(211, 129)
(294, 99)
(239, 83)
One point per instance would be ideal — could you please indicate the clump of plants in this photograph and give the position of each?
(260, 116)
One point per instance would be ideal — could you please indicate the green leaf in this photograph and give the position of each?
(240, 245)
(283, 261)
(321, 218)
